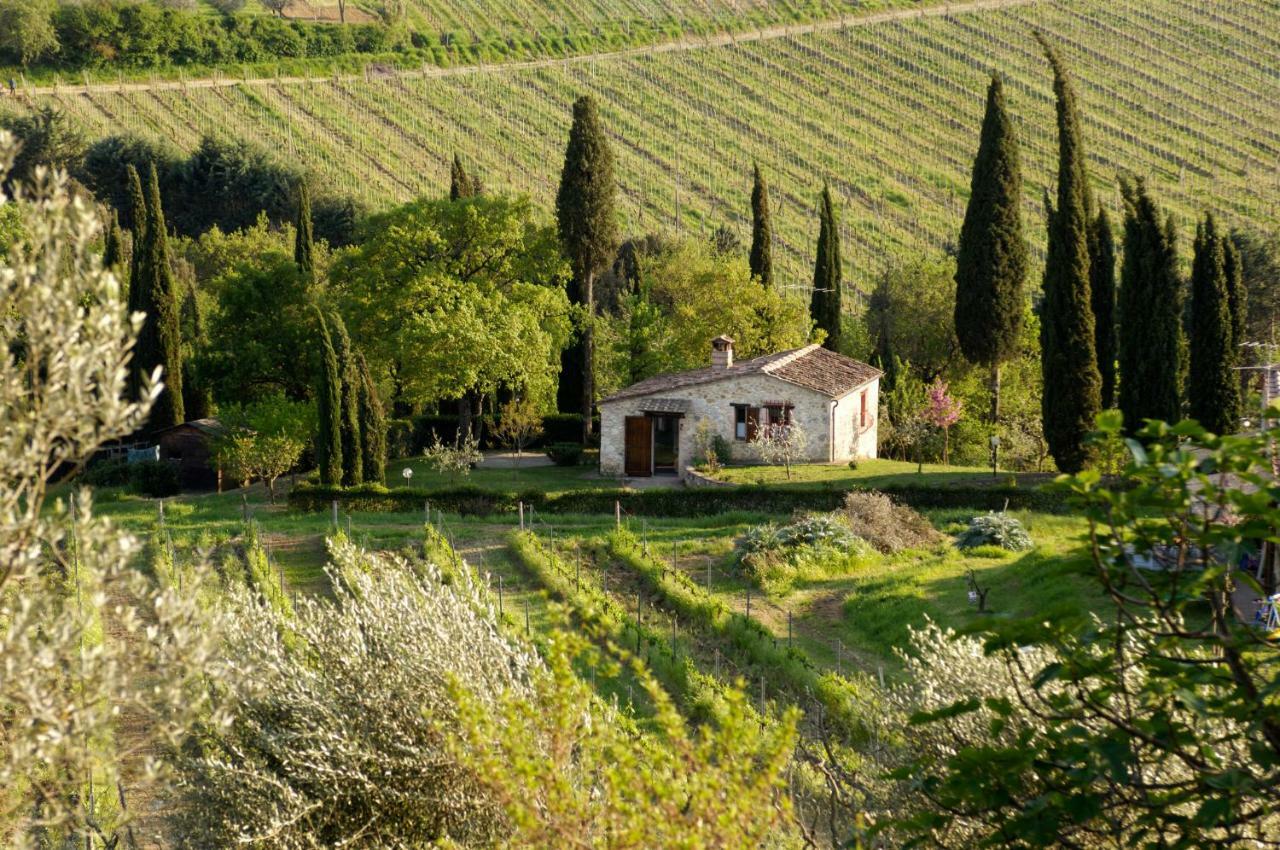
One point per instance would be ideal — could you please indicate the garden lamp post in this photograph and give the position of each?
(408, 474)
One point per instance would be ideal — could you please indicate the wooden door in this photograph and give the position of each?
(638, 461)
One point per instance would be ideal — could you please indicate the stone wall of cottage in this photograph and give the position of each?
(854, 437)
(714, 401)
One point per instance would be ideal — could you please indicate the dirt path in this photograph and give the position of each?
(682, 44)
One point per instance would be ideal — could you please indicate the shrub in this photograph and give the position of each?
(155, 478)
(112, 472)
(399, 438)
(565, 454)
(809, 547)
(887, 525)
(995, 529)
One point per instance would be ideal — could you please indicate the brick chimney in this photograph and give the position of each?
(721, 352)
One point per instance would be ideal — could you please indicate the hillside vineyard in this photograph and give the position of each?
(1180, 91)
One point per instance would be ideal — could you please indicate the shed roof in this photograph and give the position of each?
(812, 367)
(211, 427)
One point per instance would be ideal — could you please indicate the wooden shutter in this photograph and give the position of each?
(753, 423)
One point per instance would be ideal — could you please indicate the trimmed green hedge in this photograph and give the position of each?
(667, 502)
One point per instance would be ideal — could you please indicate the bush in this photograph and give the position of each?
(155, 478)
(111, 472)
(565, 454)
(995, 529)
(887, 525)
(400, 438)
(810, 547)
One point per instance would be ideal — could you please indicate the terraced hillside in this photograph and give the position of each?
(1186, 92)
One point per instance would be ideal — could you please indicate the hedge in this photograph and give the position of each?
(556, 428)
(659, 502)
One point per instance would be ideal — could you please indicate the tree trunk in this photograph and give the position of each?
(995, 415)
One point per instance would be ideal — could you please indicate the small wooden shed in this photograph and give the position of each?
(189, 446)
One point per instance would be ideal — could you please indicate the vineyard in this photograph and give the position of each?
(1179, 91)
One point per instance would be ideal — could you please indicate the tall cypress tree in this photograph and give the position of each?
(991, 265)
(828, 276)
(761, 258)
(588, 224)
(461, 184)
(349, 404)
(1237, 296)
(373, 426)
(328, 408)
(138, 219)
(304, 236)
(113, 246)
(1069, 363)
(1102, 292)
(159, 340)
(1149, 308)
(1213, 392)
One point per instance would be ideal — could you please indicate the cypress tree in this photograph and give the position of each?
(1069, 363)
(304, 236)
(1237, 296)
(160, 339)
(197, 400)
(138, 218)
(373, 426)
(588, 225)
(328, 407)
(348, 404)
(1102, 292)
(991, 264)
(461, 184)
(761, 258)
(1213, 391)
(1150, 309)
(824, 304)
(113, 247)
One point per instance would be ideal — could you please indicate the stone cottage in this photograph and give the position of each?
(647, 428)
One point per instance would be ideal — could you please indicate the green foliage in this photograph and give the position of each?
(828, 274)
(461, 184)
(761, 258)
(349, 401)
(1157, 718)
(911, 318)
(1150, 313)
(454, 459)
(1237, 292)
(458, 297)
(565, 454)
(1102, 292)
(587, 222)
(152, 291)
(328, 393)
(1213, 385)
(1072, 384)
(46, 137)
(264, 440)
(991, 264)
(111, 472)
(995, 529)
(27, 34)
(373, 426)
(154, 478)
(304, 248)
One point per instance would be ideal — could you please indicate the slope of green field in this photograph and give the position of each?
(1184, 92)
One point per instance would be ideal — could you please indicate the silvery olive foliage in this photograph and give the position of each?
(341, 711)
(81, 635)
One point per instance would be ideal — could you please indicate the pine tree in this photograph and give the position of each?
(1102, 292)
(1213, 391)
(304, 236)
(461, 184)
(761, 258)
(349, 404)
(991, 265)
(1069, 363)
(159, 340)
(328, 408)
(824, 304)
(587, 219)
(138, 219)
(1150, 312)
(373, 427)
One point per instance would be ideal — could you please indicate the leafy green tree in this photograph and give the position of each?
(27, 34)
(588, 225)
(304, 239)
(1259, 269)
(328, 407)
(461, 184)
(761, 259)
(373, 427)
(828, 275)
(991, 265)
(159, 340)
(456, 297)
(910, 316)
(1102, 292)
(263, 439)
(197, 395)
(46, 137)
(1150, 307)
(1072, 385)
(1154, 724)
(349, 401)
(1213, 388)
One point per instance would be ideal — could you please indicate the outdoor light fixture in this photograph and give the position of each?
(407, 473)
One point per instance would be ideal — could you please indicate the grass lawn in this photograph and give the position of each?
(549, 479)
(875, 473)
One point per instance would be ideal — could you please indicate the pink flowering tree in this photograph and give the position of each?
(941, 410)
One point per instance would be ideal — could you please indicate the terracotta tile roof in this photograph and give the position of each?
(812, 367)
